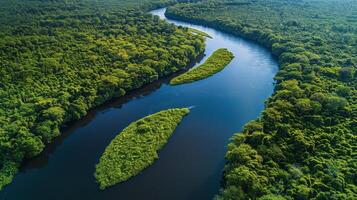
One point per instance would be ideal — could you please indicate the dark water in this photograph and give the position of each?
(190, 165)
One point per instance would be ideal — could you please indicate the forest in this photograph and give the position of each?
(137, 146)
(61, 58)
(304, 144)
(58, 59)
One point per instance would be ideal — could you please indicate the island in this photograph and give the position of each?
(215, 63)
(137, 146)
(198, 32)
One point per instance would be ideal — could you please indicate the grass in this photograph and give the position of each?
(215, 63)
(136, 147)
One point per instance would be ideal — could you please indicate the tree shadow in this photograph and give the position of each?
(42, 159)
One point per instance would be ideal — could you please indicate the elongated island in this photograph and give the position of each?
(136, 147)
(215, 63)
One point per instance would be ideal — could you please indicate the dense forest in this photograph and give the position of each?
(60, 58)
(304, 144)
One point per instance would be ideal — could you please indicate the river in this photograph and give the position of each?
(190, 165)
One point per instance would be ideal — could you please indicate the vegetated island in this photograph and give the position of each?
(70, 61)
(198, 32)
(136, 147)
(303, 145)
(215, 63)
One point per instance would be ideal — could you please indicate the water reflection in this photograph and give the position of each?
(190, 165)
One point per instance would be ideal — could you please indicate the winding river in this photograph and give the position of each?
(190, 165)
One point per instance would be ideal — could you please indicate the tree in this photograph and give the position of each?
(335, 103)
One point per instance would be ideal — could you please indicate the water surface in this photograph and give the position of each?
(190, 165)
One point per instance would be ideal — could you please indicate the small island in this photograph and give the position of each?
(136, 147)
(198, 32)
(215, 63)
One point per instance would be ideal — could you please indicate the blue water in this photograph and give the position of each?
(190, 165)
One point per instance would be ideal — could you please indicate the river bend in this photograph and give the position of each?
(190, 165)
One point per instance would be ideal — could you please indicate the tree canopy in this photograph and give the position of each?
(58, 59)
(303, 145)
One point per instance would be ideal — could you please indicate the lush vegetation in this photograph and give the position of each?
(198, 32)
(215, 63)
(136, 147)
(60, 58)
(304, 144)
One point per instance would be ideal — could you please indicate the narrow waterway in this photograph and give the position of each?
(190, 165)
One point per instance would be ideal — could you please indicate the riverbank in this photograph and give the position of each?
(191, 163)
(313, 103)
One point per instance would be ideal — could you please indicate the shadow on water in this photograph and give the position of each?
(190, 164)
(42, 159)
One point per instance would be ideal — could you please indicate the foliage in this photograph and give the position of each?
(135, 148)
(7, 172)
(304, 144)
(58, 59)
(198, 32)
(215, 63)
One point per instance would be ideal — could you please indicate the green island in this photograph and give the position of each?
(137, 146)
(215, 63)
(304, 144)
(59, 59)
(198, 32)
